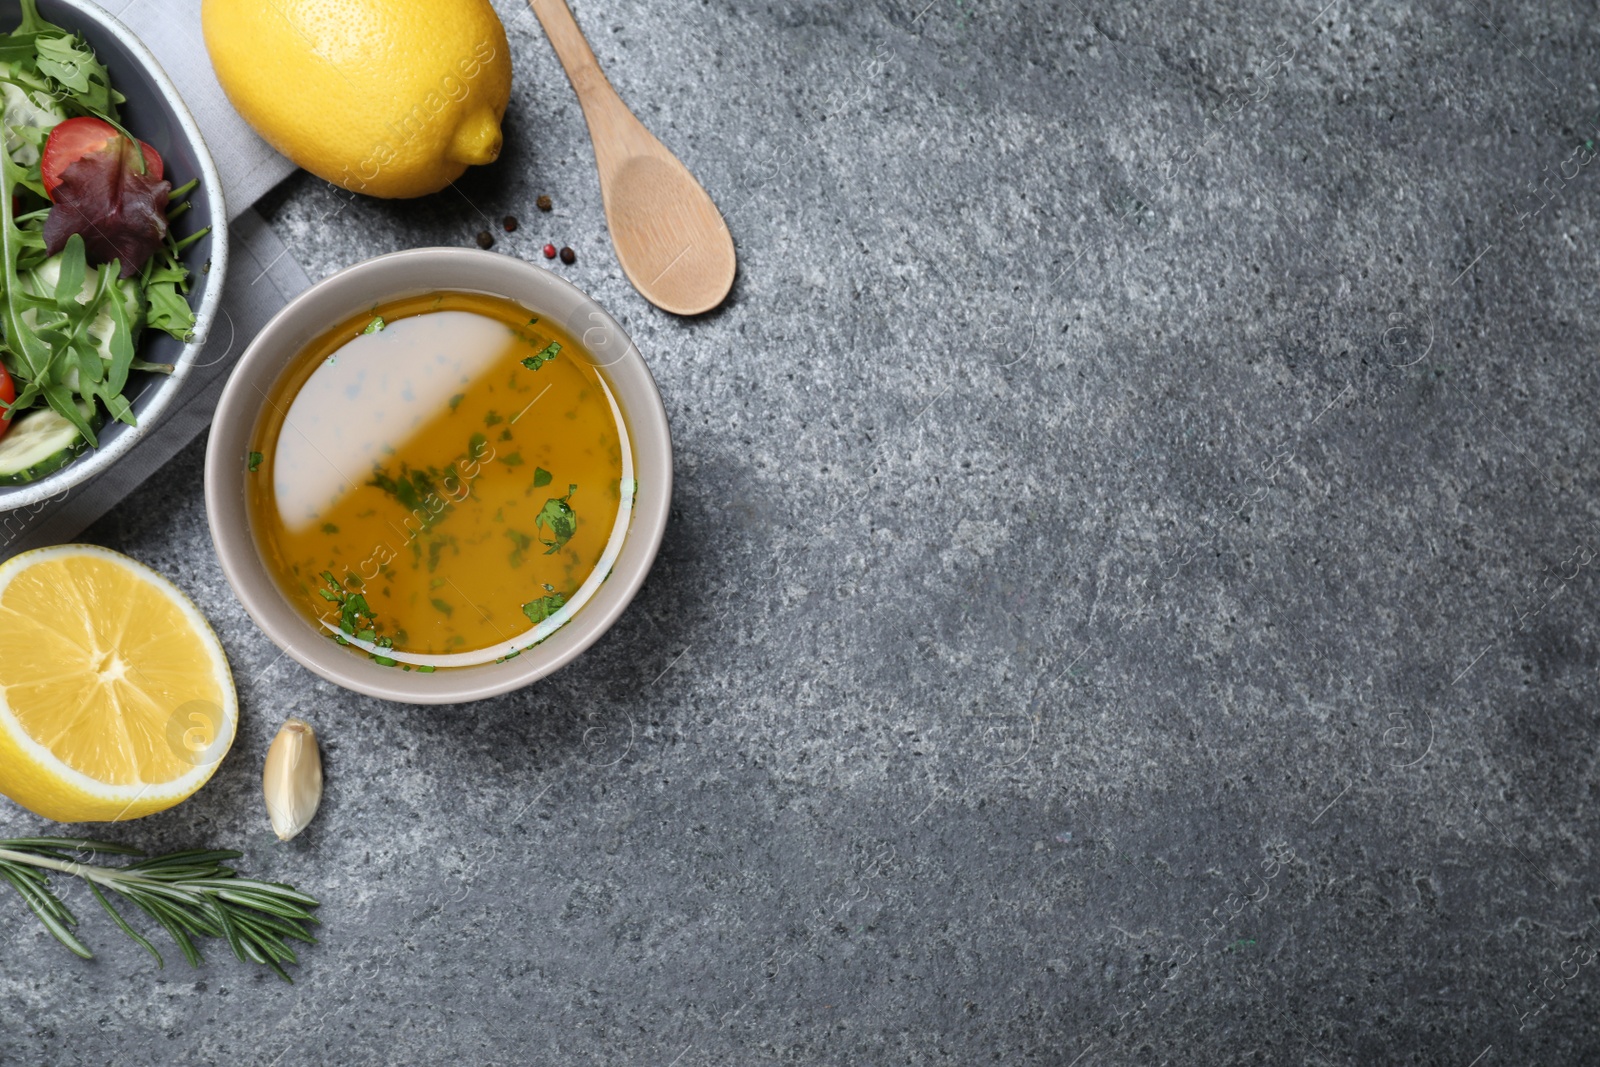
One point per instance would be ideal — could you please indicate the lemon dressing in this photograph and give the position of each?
(442, 482)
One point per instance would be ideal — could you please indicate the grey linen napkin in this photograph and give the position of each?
(262, 276)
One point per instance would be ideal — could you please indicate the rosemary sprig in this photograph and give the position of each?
(189, 894)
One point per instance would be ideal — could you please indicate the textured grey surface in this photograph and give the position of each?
(1129, 595)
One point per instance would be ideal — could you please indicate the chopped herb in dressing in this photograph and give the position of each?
(543, 356)
(520, 542)
(562, 520)
(539, 610)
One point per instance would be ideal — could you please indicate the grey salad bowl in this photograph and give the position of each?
(352, 292)
(153, 113)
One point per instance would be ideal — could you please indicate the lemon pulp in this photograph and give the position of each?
(115, 696)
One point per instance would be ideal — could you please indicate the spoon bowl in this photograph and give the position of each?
(670, 238)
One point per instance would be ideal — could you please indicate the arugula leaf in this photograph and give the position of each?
(66, 60)
(74, 264)
(169, 311)
(120, 345)
(19, 47)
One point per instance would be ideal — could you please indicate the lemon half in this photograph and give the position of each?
(116, 700)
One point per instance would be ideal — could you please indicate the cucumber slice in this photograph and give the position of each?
(41, 443)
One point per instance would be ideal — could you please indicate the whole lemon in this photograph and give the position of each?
(392, 98)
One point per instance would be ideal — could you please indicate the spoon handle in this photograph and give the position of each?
(600, 102)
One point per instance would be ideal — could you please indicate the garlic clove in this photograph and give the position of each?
(292, 779)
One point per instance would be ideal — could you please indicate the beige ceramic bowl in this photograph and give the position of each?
(348, 293)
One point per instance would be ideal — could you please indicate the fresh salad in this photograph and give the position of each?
(87, 256)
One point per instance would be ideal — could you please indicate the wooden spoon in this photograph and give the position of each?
(669, 236)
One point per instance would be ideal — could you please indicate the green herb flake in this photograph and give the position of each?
(329, 528)
(541, 477)
(543, 356)
(558, 515)
(512, 459)
(456, 400)
(520, 543)
(375, 326)
(255, 461)
(492, 419)
(539, 610)
(426, 668)
(436, 547)
(442, 605)
(355, 615)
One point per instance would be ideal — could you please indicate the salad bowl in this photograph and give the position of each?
(154, 113)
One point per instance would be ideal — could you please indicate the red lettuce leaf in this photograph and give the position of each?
(121, 213)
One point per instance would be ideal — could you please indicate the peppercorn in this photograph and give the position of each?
(568, 256)
(510, 224)
(484, 240)
(549, 251)
(544, 203)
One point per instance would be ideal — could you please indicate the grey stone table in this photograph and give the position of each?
(1129, 596)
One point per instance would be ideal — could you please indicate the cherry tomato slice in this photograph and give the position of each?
(73, 139)
(8, 393)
